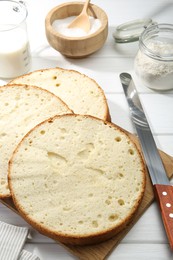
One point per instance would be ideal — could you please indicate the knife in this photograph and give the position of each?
(162, 187)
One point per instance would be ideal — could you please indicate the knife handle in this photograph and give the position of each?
(164, 196)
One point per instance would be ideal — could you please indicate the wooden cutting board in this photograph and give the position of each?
(100, 251)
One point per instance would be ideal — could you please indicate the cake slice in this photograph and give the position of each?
(81, 93)
(77, 179)
(22, 107)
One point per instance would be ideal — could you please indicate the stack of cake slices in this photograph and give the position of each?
(72, 174)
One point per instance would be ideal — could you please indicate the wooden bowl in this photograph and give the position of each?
(76, 47)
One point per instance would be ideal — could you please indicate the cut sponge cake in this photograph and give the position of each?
(77, 179)
(81, 93)
(21, 108)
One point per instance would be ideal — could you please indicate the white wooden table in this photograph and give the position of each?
(147, 239)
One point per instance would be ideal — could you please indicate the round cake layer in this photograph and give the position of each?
(81, 93)
(22, 108)
(77, 179)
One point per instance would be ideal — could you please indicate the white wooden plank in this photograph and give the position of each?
(49, 251)
(165, 143)
(119, 111)
(159, 109)
(145, 231)
(158, 10)
(141, 252)
(104, 72)
(123, 251)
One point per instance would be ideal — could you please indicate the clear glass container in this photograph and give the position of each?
(131, 31)
(154, 60)
(14, 44)
(126, 35)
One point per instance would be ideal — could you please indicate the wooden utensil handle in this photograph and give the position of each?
(164, 195)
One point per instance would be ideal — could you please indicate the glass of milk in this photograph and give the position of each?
(14, 46)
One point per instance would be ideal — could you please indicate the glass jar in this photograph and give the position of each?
(14, 45)
(154, 60)
(131, 31)
(126, 35)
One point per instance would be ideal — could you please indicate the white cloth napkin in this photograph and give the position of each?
(25, 255)
(12, 240)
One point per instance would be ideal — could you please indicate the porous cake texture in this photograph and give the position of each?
(77, 179)
(81, 93)
(22, 108)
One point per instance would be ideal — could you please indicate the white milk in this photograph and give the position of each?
(61, 26)
(14, 53)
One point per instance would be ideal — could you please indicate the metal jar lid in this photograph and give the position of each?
(130, 31)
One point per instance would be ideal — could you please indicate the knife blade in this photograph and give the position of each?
(161, 185)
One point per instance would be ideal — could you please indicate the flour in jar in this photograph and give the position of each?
(156, 73)
(61, 26)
